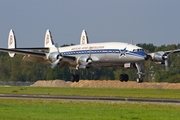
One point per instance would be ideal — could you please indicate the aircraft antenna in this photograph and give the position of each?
(132, 41)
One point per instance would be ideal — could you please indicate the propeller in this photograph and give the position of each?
(166, 62)
(55, 63)
(58, 60)
(165, 57)
(89, 60)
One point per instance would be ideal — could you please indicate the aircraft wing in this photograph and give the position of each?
(44, 49)
(37, 54)
(171, 52)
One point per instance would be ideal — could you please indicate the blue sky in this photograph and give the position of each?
(144, 21)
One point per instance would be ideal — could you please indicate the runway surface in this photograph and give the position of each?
(63, 97)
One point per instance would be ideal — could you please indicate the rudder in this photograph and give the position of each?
(84, 38)
(48, 39)
(11, 42)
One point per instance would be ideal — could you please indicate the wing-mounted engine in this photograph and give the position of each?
(84, 61)
(52, 57)
(56, 57)
(160, 58)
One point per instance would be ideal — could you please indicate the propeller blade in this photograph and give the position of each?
(90, 52)
(55, 63)
(97, 67)
(81, 66)
(166, 65)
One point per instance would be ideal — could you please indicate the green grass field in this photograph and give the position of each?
(38, 109)
(110, 92)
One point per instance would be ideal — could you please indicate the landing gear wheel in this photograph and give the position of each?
(126, 77)
(77, 78)
(72, 78)
(123, 77)
(139, 80)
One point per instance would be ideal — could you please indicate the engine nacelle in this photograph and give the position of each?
(82, 60)
(52, 57)
(158, 57)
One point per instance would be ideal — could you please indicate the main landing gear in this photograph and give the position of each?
(74, 78)
(123, 77)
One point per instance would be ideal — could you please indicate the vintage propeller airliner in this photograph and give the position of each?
(88, 55)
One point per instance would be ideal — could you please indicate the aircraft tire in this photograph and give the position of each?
(139, 80)
(77, 78)
(121, 77)
(72, 78)
(126, 77)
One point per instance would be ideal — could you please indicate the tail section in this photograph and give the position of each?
(11, 42)
(48, 39)
(84, 38)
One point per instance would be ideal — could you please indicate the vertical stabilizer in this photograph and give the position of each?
(11, 42)
(48, 39)
(84, 38)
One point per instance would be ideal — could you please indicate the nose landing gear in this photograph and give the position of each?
(139, 79)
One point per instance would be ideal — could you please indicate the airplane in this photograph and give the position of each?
(86, 55)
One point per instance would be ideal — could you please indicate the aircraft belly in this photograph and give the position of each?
(117, 59)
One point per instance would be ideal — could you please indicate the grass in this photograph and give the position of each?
(38, 109)
(109, 92)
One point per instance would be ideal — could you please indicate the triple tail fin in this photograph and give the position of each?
(48, 39)
(11, 42)
(84, 38)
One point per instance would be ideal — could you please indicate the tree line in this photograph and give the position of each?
(15, 69)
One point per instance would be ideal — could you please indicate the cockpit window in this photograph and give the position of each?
(135, 50)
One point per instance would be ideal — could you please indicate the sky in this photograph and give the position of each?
(144, 21)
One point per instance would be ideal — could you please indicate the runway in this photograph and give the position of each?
(95, 98)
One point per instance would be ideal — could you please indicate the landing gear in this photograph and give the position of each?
(74, 78)
(123, 77)
(138, 66)
(139, 80)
